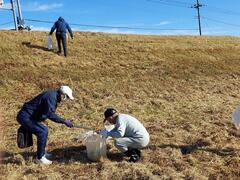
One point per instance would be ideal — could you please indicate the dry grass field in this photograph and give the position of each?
(183, 89)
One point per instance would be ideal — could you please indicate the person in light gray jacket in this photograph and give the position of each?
(130, 134)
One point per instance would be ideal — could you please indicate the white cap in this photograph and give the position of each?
(67, 91)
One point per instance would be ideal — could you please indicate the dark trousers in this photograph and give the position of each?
(36, 128)
(62, 39)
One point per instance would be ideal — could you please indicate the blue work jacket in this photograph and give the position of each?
(43, 107)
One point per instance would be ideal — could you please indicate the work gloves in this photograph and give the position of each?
(104, 133)
(68, 123)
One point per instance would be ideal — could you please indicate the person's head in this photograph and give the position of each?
(110, 115)
(64, 93)
(60, 18)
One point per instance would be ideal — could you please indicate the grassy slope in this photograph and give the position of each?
(183, 89)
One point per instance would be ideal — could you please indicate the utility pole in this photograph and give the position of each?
(198, 6)
(14, 14)
(20, 17)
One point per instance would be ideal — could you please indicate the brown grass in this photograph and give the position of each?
(183, 89)
(1, 133)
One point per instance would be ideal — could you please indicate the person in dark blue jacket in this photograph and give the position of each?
(61, 27)
(37, 110)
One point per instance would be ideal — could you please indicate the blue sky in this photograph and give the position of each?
(163, 17)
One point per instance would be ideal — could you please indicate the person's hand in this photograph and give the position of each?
(104, 133)
(68, 123)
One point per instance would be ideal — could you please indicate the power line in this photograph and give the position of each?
(182, 4)
(170, 3)
(112, 27)
(207, 27)
(175, 2)
(223, 11)
(6, 23)
(179, 2)
(41, 21)
(222, 22)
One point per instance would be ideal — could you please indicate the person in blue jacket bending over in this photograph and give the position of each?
(37, 110)
(61, 27)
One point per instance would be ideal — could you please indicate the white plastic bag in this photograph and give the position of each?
(96, 147)
(83, 136)
(49, 42)
(236, 117)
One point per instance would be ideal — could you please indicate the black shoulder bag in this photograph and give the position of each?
(24, 138)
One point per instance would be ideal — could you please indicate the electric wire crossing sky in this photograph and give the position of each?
(154, 17)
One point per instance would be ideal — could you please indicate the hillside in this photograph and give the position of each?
(183, 89)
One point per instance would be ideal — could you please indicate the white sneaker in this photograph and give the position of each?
(48, 155)
(44, 161)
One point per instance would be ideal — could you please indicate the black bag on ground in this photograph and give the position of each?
(24, 138)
